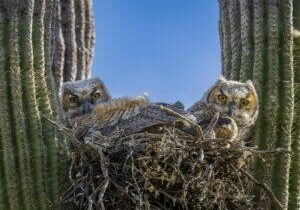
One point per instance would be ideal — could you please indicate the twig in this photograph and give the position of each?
(62, 128)
(194, 125)
(275, 151)
(143, 135)
(106, 177)
(237, 174)
(265, 187)
(212, 123)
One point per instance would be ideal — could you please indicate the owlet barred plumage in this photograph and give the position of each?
(149, 116)
(237, 105)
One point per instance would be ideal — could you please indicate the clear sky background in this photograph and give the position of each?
(167, 48)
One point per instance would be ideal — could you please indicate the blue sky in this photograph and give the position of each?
(167, 48)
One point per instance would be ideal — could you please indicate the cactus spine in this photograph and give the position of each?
(257, 43)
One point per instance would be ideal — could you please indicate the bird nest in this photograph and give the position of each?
(162, 169)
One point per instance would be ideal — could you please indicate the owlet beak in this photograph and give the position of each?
(86, 106)
(231, 109)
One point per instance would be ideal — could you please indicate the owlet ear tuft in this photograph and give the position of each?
(101, 86)
(249, 83)
(221, 78)
(96, 80)
(65, 90)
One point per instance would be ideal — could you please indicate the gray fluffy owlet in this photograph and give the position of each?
(88, 102)
(235, 101)
(79, 97)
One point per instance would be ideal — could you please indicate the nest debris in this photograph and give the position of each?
(165, 169)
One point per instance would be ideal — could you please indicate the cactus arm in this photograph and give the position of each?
(246, 41)
(18, 118)
(294, 185)
(226, 43)
(80, 29)
(43, 99)
(3, 196)
(281, 163)
(259, 42)
(221, 40)
(270, 99)
(30, 103)
(74, 40)
(234, 18)
(59, 53)
(9, 173)
(259, 65)
(272, 73)
(89, 36)
(49, 24)
(68, 26)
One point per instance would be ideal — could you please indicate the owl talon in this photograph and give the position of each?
(225, 133)
(226, 128)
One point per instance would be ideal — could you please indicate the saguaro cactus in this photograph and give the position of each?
(74, 40)
(28, 145)
(257, 43)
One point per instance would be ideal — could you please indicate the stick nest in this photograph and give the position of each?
(165, 169)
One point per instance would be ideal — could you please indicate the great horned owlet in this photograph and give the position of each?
(232, 100)
(79, 97)
(88, 102)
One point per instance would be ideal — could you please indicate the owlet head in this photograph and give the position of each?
(234, 99)
(79, 97)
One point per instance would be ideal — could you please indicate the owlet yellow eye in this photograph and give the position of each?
(244, 102)
(222, 98)
(95, 96)
(73, 99)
